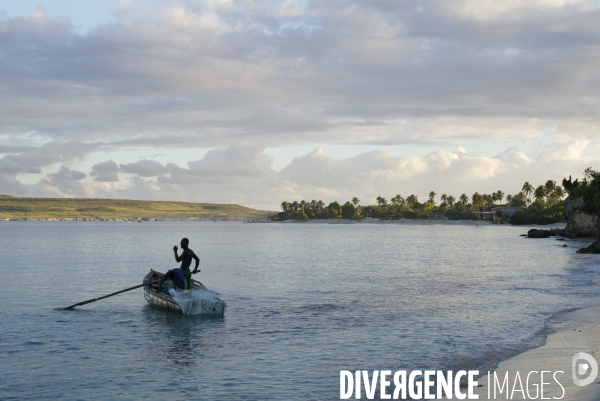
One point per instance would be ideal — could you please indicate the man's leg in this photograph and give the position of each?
(188, 279)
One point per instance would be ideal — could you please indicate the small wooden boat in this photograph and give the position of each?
(166, 301)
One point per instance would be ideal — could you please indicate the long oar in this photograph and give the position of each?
(106, 296)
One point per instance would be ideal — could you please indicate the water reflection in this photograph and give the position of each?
(178, 338)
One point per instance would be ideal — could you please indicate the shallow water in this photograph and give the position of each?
(303, 302)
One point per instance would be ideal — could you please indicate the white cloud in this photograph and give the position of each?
(240, 76)
(244, 174)
(567, 150)
(486, 10)
(216, 73)
(290, 8)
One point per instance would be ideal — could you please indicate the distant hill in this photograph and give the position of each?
(12, 207)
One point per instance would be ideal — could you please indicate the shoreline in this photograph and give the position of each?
(573, 331)
(406, 222)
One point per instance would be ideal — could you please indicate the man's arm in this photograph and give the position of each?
(177, 258)
(197, 259)
(163, 279)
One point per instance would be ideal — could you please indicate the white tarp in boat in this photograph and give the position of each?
(199, 301)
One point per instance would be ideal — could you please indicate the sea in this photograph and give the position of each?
(304, 301)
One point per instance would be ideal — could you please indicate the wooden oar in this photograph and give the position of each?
(106, 296)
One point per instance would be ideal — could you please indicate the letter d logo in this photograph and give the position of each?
(583, 369)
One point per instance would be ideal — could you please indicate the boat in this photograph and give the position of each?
(213, 306)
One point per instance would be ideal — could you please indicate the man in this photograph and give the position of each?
(176, 276)
(186, 260)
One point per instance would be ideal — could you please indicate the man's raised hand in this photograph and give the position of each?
(175, 248)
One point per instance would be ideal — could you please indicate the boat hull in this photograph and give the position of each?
(162, 302)
(165, 301)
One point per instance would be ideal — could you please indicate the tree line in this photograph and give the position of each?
(543, 197)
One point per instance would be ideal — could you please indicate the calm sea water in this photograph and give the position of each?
(303, 302)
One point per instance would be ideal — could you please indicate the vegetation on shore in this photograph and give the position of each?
(540, 205)
(588, 188)
(112, 209)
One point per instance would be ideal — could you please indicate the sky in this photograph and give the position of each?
(255, 102)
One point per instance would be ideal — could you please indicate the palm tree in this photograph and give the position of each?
(477, 200)
(355, 201)
(397, 200)
(295, 206)
(499, 196)
(519, 199)
(527, 191)
(451, 201)
(509, 199)
(464, 199)
(381, 201)
(432, 198)
(556, 195)
(540, 193)
(550, 186)
(302, 205)
(444, 198)
(412, 200)
(320, 206)
(559, 192)
(285, 206)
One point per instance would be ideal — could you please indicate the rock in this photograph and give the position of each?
(593, 248)
(534, 233)
(523, 235)
(565, 245)
(557, 231)
(580, 223)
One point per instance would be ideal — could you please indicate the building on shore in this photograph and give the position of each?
(508, 210)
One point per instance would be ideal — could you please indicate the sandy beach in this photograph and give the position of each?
(576, 331)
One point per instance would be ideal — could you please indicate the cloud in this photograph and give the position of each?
(15, 149)
(486, 10)
(211, 74)
(32, 161)
(10, 185)
(239, 76)
(105, 172)
(244, 174)
(290, 8)
(241, 160)
(234, 166)
(144, 168)
(65, 182)
(49, 153)
(573, 149)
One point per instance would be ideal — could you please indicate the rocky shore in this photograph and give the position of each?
(579, 225)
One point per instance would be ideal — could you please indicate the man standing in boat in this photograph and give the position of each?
(186, 260)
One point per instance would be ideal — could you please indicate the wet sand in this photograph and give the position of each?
(577, 331)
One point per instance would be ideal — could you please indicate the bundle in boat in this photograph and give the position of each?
(198, 300)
